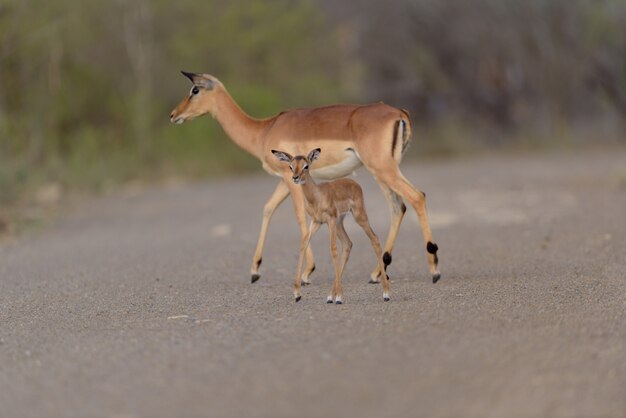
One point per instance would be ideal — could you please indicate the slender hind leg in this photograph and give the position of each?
(304, 244)
(397, 208)
(346, 244)
(280, 194)
(360, 216)
(399, 184)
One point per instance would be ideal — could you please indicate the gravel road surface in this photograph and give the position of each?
(140, 304)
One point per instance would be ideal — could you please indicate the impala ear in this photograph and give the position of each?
(282, 156)
(200, 80)
(208, 84)
(314, 155)
(191, 76)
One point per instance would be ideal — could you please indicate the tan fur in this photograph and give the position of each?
(341, 131)
(328, 203)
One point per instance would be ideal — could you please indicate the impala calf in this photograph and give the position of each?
(374, 135)
(328, 203)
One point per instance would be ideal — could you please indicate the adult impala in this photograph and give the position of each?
(374, 135)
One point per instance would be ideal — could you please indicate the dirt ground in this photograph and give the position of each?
(140, 304)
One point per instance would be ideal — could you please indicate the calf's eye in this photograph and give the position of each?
(195, 90)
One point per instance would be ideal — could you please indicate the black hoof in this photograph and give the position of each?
(329, 301)
(298, 298)
(255, 277)
(386, 299)
(436, 277)
(306, 283)
(338, 302)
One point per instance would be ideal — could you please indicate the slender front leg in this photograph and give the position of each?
(304, 244)
(398, 209)
(297, 197)
(280, 194)
(337, 290)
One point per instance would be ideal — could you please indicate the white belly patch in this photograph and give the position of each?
(345, 167)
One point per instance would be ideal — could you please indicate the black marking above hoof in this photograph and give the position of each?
(298, 298)
(436, 277)
(255, 277)
(386, 259)
(432, 249)
(258, 263)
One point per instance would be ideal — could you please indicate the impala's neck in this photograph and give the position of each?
(241, 128)
(311, 191)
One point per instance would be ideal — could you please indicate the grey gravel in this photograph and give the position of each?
(140, 304)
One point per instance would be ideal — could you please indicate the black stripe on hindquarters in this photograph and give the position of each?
(395, 137)
(406, 140)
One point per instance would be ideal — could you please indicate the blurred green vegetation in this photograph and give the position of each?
(86, 87)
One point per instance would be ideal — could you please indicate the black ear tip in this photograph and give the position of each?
(187, 74)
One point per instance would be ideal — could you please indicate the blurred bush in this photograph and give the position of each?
(506, 69)
(86, 87)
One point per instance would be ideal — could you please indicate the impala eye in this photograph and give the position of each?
(195, 90)
(306, 167)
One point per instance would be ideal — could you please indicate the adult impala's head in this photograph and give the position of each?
(299, 164)
(199, 101)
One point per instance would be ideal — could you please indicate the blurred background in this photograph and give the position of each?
(86, 87)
